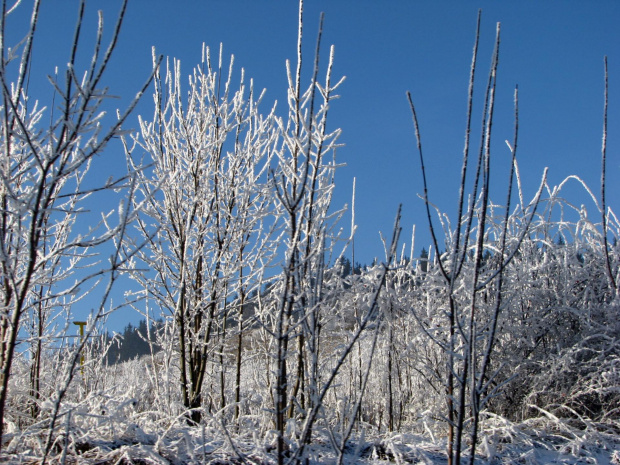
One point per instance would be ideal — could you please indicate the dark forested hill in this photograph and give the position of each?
(133, 342)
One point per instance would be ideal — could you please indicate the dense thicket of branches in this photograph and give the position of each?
(269, 342)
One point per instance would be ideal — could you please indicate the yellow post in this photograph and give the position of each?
(81, 324)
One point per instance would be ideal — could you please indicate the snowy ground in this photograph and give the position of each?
(538, 441)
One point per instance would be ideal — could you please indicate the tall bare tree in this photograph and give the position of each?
(205, 219)
(47, 237)
(472, 270)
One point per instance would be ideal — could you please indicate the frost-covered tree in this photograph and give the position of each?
(303, 184)
(49, 244)
(479, 248)
(205, 219)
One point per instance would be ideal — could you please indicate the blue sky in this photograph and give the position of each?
(553, 50)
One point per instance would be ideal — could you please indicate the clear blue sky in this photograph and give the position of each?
(553, 50)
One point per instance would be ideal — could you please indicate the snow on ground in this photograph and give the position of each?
(534, 442)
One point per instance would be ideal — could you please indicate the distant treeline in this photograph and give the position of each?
(133, 342)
